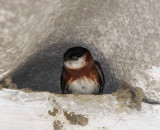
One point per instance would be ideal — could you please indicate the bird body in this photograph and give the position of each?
(83, 86)
(80, 74)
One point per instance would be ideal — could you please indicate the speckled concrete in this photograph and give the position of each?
(123, 35)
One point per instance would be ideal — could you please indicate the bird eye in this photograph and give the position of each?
(75, 57)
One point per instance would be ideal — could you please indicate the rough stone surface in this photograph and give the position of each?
(123, 35)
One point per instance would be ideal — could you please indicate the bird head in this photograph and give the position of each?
(76, 57)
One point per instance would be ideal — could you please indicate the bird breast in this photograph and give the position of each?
(84, 85)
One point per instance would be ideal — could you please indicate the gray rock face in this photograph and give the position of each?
(124, 36)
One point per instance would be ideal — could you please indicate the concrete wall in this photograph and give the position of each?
(123, 35)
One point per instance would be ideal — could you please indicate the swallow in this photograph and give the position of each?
(80, 73)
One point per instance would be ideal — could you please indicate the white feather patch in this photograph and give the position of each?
(75, 64)
(84, 86)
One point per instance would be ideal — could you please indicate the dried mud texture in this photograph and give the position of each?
(55, 111)
(76, 119)
(57, 125)
(129, 96)
(1, 86)
(7, 83)
(27, 90)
